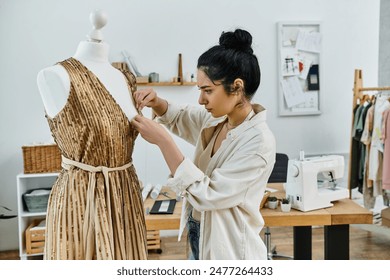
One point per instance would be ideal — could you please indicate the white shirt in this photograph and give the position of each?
(229, 192)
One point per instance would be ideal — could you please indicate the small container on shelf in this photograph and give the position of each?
(272, 202)
(36, 200)
(285, 205)
(142, 79)
(35, 237)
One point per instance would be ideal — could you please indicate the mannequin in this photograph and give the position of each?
(95, 208)
(54, 85)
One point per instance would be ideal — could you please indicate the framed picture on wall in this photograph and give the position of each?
(299, 60)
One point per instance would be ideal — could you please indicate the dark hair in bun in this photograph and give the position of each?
(239, 40)
(233, 58)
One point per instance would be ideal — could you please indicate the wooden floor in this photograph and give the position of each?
(368, 242)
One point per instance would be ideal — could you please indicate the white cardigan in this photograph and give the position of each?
(229, 192)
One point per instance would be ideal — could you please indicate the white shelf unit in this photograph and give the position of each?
(27, 182)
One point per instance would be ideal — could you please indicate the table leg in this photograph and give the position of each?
(336, 242)
(302, 243)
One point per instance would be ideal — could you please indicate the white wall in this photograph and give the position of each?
(384, 39)
(35, 34)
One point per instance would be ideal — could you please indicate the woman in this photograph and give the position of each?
(234, 154)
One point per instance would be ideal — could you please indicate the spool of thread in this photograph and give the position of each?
(156, 191)
(146, 190)
(301, 155)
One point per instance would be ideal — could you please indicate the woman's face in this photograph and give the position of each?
(214, 97)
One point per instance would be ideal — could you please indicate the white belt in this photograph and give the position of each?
(88, 224)
(67, 163)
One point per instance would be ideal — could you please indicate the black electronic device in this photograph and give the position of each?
(166, 206)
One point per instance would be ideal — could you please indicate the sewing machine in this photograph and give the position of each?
(311, 182)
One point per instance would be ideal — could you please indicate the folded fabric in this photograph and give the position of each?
(40, 226)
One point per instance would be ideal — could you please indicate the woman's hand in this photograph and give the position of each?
(148, 97)
(151, 131)
(145, 97)
(156, 134)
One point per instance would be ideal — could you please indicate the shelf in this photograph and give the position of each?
(37, 175)
(143, 80)
(25, 256)
(162, 84)
(25, 214)
(28, 182)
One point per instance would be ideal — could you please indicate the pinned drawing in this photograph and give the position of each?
(299, 62)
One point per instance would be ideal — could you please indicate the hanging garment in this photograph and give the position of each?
(355, 152)
(386, 149)
(368, 195)
(95, 209)
(360, 129)
(376, 153)
(359, 122)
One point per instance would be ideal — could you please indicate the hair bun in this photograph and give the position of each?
(240, 40)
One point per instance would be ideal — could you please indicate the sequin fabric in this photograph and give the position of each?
(94, 214)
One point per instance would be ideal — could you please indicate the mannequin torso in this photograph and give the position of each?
(54, 84)
(94, 136)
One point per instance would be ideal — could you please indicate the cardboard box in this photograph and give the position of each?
(142, 80)
(386, 217)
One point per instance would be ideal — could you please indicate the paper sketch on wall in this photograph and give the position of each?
(303, 67)
(310, 104)
(299, 67)
(289, 62)
(289, 36)
(292, 91)
(309, 41)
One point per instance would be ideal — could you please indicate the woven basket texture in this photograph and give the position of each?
(41, 159)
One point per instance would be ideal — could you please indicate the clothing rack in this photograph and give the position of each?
(358, 88)
(358, 95)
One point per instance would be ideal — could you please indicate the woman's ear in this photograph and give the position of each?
(238, 85)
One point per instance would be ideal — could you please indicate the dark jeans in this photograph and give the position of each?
(193, 227)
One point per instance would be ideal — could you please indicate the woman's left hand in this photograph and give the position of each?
(150, 130)
(155, 133)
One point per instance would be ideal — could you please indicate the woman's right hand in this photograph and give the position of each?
(145, 97)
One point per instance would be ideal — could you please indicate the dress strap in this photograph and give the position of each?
(131, 84)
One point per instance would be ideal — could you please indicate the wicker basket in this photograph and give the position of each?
(35, 239)
(41, 158)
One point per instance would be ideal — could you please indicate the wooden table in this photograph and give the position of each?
(335, 219)
(163, 221)
(157, 222)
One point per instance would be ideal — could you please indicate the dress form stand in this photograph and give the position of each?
(53, 82)
(95, 209)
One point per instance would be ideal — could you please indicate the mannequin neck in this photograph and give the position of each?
(92, 51)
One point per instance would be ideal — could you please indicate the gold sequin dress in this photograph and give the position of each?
(95, 209)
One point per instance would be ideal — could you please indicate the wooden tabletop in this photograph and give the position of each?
(344, 211)
(162, 221)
